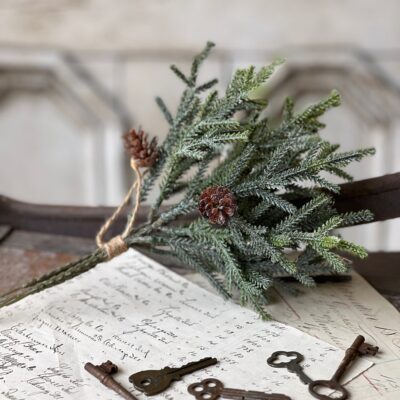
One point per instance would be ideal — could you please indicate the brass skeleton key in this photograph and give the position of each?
(359, 347)
(155, 381)
(212, 389)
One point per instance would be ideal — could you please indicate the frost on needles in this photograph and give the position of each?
(279, 174)
(278, 177)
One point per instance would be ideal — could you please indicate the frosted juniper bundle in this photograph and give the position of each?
(255, 207)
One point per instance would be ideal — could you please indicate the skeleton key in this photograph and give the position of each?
(212, 389)
(103, 373)
(357, 348)
(155, 381)
(292, 365)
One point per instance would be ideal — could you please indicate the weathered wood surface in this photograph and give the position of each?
(381, 195)
(27, 255)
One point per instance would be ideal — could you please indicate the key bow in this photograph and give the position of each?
(271, 361)
(209, 389)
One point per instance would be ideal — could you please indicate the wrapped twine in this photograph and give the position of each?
(106, 250)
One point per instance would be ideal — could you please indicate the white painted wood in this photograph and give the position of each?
(54, 117)
(179, 24)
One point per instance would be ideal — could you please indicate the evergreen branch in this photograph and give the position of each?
(180, 74)
(198, 61)
(194, 259)
(356, 217)
(206, 86)
(316, 110)
(292, 221)
(265, 72)
(259, 193)
(164, 110)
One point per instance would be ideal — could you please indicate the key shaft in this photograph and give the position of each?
(298, 370)
(357, 348)
(237, 394)
(193, 367)
(349, 357)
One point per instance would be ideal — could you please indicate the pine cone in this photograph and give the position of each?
(138, 147)
(218, 204)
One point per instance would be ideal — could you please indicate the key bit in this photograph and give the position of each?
(152, 382)
(103, 373)
(368, 349)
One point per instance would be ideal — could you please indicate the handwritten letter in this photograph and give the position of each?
(140, 315)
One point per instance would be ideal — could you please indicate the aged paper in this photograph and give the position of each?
(140, 315)
(336, 313)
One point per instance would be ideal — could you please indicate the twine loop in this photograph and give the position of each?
(117, 244)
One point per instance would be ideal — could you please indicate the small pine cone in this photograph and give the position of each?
(144, 153)
(218, 204)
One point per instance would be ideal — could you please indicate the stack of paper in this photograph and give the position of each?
(140, 315)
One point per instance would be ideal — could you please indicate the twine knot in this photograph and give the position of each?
(117, 245)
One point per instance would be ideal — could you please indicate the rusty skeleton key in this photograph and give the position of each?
(292, 365)
(103, 373)
(212, 389)
(155, 381)
(359, 347)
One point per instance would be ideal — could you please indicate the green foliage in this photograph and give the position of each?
(280, 176)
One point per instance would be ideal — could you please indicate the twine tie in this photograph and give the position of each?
(117, 244)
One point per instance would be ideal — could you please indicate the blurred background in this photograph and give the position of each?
(76, 74)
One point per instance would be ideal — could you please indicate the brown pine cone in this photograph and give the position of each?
(218, 204)
(144, 153)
